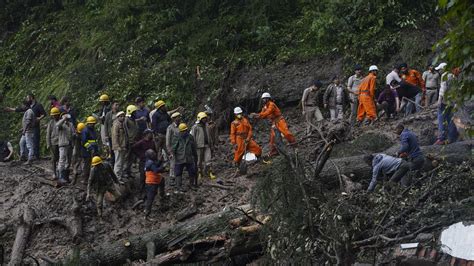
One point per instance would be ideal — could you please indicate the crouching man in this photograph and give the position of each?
(384, 166)
(102, 179)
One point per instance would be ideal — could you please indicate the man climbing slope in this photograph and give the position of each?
(271, 111)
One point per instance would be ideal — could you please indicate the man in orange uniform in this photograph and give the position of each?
(241, 137)
(415, 78)
(366, 97)
(273, 113)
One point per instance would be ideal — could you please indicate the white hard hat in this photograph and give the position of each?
(266, 95)
(373, 67)
(120, 113)
(441, 66)
(238, 110)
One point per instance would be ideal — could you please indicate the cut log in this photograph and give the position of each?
(186, 213)
(117, 253)
(22, 235)
(453, 153)
(150, 251)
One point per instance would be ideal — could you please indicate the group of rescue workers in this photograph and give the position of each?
(159, 139)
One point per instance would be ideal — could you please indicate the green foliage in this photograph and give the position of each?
(152, 48)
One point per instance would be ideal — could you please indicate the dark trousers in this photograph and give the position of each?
(141, 169)
(192, 172)
(400, 174)
(151, 191)
(37, 138)
(55, 158)
(388, 108)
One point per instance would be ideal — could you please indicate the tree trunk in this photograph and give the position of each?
(117, 253)
(453, 153)
(22, 235)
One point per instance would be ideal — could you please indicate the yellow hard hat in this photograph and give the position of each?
(182, 127)
(54, 111)
(91, 120)
(159, 103)
(130, 109)
(104, 98)
(201, 115)
(96, 160)
(80, 127)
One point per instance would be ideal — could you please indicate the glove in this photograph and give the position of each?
(403, 155)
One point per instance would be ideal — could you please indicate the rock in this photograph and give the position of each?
(424, 237)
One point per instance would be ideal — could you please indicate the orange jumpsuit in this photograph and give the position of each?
(241, 132)
(414, 78)
(273, 113)
(366, 98)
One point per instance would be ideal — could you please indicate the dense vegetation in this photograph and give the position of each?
(153, 48)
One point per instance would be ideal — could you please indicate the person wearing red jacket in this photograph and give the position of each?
(271, 112)
(241, 137)
(414, 78)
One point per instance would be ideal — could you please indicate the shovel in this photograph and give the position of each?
(243, 163)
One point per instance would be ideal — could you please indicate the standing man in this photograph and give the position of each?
(28, 123)
(310, 103)
(139, 149)
(241, 137)
(154, 180)
(271, 112)
(334, 96)
(104, 101)
(212, 127)
(185, 154)
(353, 88)
(131, 129)
(77, 162)
(108, 122)
(159, 123)
(200, 132)
(52, 139)
(366, 97)
(120, 145)
(90, 147)
(409, 148)
(142, 116)
(447, 130)
(414, 78)
(101, 180)
(65, 140)
(432, 78)
(172, 132)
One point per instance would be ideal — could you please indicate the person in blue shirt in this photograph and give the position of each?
(90, 147)
(153, 180)
(386, 166)
(142, 116)
(409, 148)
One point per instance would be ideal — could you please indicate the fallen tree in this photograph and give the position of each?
(355, 167)
(164, 239)
(22, 236)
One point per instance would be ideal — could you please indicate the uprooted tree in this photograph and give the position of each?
(312, 222)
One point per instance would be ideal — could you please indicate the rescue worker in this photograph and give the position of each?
(52, 139)
(271, 111)
(432, 79)
(90, 147)
(310, 103)
(131, 129)
(409, 148)
(154, 180)
(185, 154)
(109, 122)
(65, 140)
(141, 116)
(101, 180)
(159, 123)
(414, 78)
(139, 149)
(200, 132)
(28, 130)
(172, 132)
(120, 145)
(405, 91)
(353, 88)
(212, 127)
(386, 166)
(104, 101)
(241, 137)
(447, 131)
(77, 161)
(367, 107)
(335, 97)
